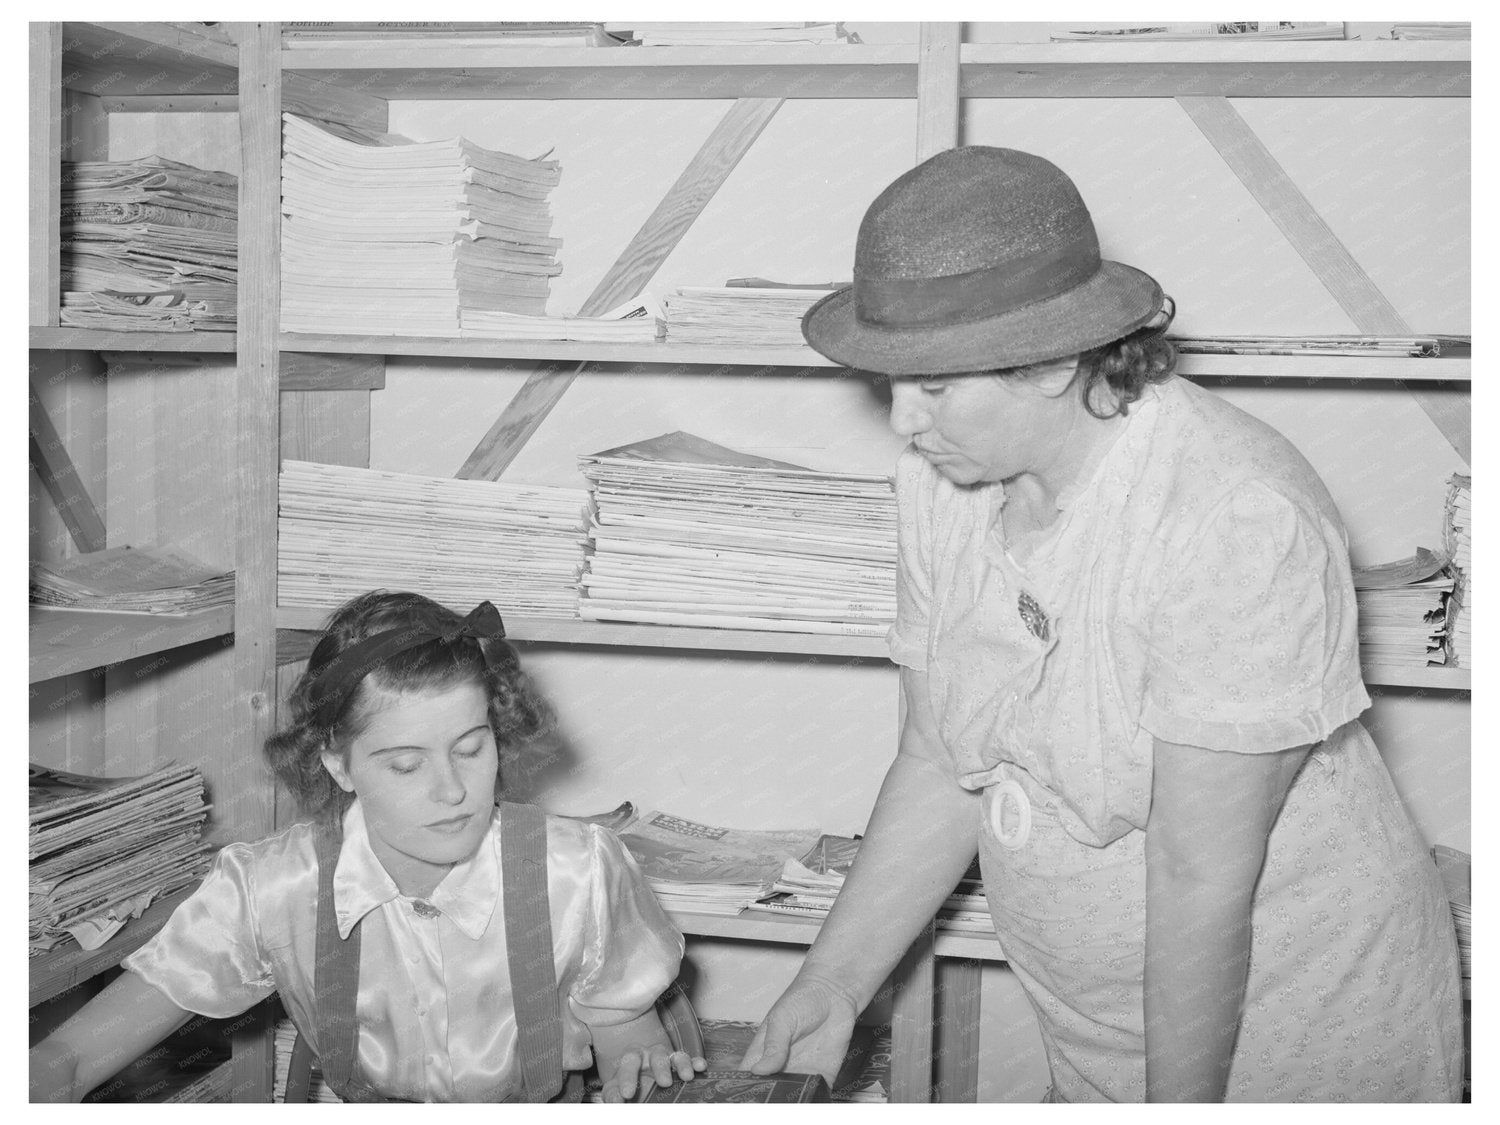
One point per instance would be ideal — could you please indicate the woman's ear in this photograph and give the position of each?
(338, 769)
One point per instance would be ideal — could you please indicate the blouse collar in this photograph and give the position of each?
(467, 895)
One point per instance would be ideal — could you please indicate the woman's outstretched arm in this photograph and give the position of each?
(113, 1029)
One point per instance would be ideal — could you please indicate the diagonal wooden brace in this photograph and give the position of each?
(54, 468)
(1266, 180)
(636, 265)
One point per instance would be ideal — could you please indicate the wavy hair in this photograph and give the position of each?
(517, 712)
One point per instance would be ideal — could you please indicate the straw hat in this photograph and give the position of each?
(976, 259)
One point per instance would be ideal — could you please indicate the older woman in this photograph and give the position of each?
(1126, 632)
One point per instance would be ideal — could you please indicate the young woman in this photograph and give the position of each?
(382, 920)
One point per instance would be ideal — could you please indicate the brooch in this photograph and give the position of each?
(1033, 614)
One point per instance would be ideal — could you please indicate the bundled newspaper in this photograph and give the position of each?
(707, 869)
(165, 580)
(1403, 610)
(102, 849)
(1458, 539)
(148, 245)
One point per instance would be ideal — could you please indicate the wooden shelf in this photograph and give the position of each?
(1337, 68)
(1435, 676)
(754, 926)
(95, 340)
(1371, 369)
(64, 641)
(149, 58)
(566, 631)
(54, 973)
(1244, 69)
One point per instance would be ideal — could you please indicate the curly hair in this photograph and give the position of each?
(1125, 367)
(517, 712)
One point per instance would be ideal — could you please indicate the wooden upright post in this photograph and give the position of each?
(938, 105)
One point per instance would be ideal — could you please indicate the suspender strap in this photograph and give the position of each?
(336, 983)
(529, 949)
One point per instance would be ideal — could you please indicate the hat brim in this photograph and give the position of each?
(1117, 300)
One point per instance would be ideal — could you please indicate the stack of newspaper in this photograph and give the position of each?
(132, 580)
(1228, 29)
(1403, 608)
(1458, 538)
(687, 532)
(1431, 31)
(148, 245)
(807, 887)
(705, 869)
(1424, 347)
(343, 531)
(722, 33)
(752, 316)
(382, 235)
(102, 849)
(1455, 868)
(284, 1038)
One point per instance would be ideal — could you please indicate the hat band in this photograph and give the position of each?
(960, 298)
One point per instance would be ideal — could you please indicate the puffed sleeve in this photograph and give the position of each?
(1254, 644)
(632, 951)
(914, 501)
(208, 957)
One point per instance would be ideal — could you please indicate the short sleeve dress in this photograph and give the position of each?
(1195, 588)
(436, 1018)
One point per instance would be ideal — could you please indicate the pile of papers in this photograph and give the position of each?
(343, 531)
(103, 849)
(132, 580)
(1241, 29)
(686, 532)
(1458, 538)
(727, 33)
(807, 888)
(385, 236)
(705, 869)
(1431, 30)
(452, 33)
(1403, 610)
(1425, 347)
(284, 1038)
(769, 317)
(148, 245)
(1455, 869)
(637, 322)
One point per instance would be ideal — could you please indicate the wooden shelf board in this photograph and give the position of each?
(1371, 369)
(1074, 70)
(54, 973)
(95, 340)
(1435, 676)
(64, 641)
(1245, 68)
(481, 71)
(566, 631)
(148, 58)
(755, 926)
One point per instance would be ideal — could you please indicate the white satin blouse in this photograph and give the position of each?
(435, 1008)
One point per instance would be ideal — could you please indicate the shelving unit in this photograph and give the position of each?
(324, 380)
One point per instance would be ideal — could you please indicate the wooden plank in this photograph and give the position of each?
(1312, 238)
(913, 996)
(146, 58)
(54, 468)
(170, 103)
(301, 371)
(257, 414)
(956, 1053)
(44, 155)
(329, 427)
(64, 641)
(938, 107)
(658, 236)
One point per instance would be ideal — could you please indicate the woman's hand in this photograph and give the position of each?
(637, 1055)
(806, 1031)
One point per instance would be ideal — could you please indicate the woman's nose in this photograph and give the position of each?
(908, 414)
(447, 786)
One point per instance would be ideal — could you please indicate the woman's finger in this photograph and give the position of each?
(628, 1072)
